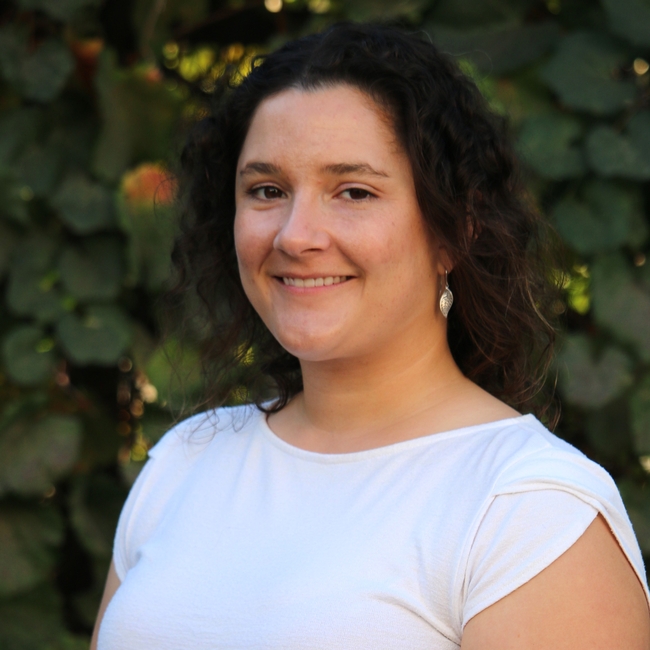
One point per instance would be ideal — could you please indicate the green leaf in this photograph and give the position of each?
(13, 49)
(23, 406)
(637, 504)
(36, 453)
(175, 15)
(64, 10)
(588, 381)
(621, 304)
(74, 140)
(95, 504)
(34, 620)
(100, 444)
(31, 294)
(608, 430)
(547, 143)
(85, 207)
(36, 252)
(139, 117)
(497, 49)
(582, 72)
(629, 19)
(363, 10)
(150, 233)
(640, 409)
(25, 361)
(467, 13)
(612, 154)
(609, 216)
(17, 129)
(45, 72)
(576, 287)
(92, 270)
(39, 168)
(101, 337)
(579, 226)
(39, 75)
(32, 290)
(28, 538)
(638, 130)
(7, 244)
(14, 199)
(620, 207)
(175, 371)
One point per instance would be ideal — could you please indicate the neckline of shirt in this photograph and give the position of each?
(390, 449)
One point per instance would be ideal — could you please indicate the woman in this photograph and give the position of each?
(392, 496)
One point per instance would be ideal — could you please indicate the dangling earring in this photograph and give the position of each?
(447, 298)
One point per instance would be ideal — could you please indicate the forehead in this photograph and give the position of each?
(339, 121)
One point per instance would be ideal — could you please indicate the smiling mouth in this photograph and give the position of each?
(315, 282)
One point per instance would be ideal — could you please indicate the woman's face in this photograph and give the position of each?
(333, 251)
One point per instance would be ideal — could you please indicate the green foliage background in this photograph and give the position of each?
(93, 97)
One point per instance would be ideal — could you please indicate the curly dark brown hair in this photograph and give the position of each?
(468, 188)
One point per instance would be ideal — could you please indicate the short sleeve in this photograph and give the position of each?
(168, 464)
(520, 535)
(160, 483)
(123, 534)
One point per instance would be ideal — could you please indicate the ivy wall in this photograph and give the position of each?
(94, 98)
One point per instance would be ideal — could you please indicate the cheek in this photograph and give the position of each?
(400, 250)
(251, 244)
(411, 272)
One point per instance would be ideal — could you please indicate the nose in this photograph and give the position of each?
(303, 227)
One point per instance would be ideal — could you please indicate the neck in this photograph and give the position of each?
(365, 401)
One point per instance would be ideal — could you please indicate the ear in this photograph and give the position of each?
(472, 226)
(472, 230)
(444, 261)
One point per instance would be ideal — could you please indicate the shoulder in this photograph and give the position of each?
(539, 496)
(525, 457)
(538, 463)
(542, 460)
(535, 459)
(507, 455)
(490, 458)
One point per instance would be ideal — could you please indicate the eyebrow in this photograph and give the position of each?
(259, 168)
(341, 169)
(337, 169)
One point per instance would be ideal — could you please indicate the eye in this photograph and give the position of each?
(266, 192)
(357, 194)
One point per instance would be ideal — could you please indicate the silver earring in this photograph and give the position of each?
(447, 298)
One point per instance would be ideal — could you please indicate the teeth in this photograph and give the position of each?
(314, 282)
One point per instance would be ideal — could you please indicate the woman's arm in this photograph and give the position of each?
(112, 585)
(588, 599)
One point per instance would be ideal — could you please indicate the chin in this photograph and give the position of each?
(309, 347)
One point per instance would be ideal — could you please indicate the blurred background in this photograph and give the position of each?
(94, 100)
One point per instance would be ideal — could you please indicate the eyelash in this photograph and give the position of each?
(368, 193)
(254, 192)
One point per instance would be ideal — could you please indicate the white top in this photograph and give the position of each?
(232, 538)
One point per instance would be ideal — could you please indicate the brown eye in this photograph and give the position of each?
(357, 194)
(267, 192)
